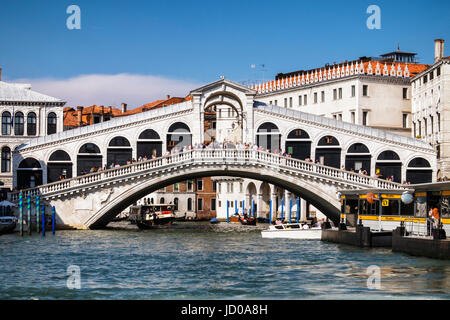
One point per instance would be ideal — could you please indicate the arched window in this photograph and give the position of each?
(119, 151)
(268, 136)
(328, 152)
(388, 155)
(328, 141)
(59, 166)
(298, 144)
(6, 159)
(175, 204)
(29, 174)
(149, 144)
(358, 158)
(31, 124)
(419, 171)
(6, 123)
(89, 157)
(18, 124)
(389, 165)
(51, 123)
(179, 136)
(161, 201)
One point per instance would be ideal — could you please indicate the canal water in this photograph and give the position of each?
(203, 261)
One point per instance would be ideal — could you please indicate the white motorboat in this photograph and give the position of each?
(292, 231)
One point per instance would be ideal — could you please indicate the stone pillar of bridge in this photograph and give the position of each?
(198, 123)
(248, 121)
(302, 209)
(287, 197)
(259, 196)
(273, 198)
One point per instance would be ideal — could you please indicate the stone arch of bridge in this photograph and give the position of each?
(326, 202)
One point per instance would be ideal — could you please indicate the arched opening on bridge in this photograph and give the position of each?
(149, 144)
(250, 198)
(119, 151)
(59, 166)
(178, 136)
(89, 156)
(298, 144)
(419, 171)
(210, 123)
(389, 165)
(328, 152)
(358, 158)
(268, 136)
(29, 174)
(264, 204)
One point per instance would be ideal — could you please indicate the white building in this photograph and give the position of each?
(373, 92)
(238, 195)
(25, 114)
(431, 108)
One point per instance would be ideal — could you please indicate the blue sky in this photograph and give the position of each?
(198, 41)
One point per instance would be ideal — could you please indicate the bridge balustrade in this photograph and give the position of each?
(202, 156)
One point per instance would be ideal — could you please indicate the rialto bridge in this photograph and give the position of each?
(220, 111)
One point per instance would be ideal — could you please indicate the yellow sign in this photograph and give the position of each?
(391, 196)
(420, 194)
(385, 203)
(446, 192)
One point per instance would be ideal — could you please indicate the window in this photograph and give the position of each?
(290, 102)
(175, 204)
(31, 124)
(438, 71)
(305, 99)
(299, 100)
(365, 90)
(353, 116)
(276, 102)
(189, 204)
(405, 93)
(51, 123)
(6, 123)
(241, 187)
(432, 126)
(414, 130)
(419, 125)
(405, 120)
(315, 97)
(285, 102)
(323, 96)
(365, 114)
(161, 201)
(18, 124)
(340, 116)
(334, 94)
(200, 204)
(340, 93)
(199, 185)
(213, 204)
(220, 187)
(439, 121)
(425, 79)
(176, 187)
(190, 185)
(214, 185)
(431, 75)
(6, 159)
(425, 125)
(353, 91)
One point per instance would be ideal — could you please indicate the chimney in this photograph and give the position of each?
(124, 107)
(438, 49)
(168, 97)
(80, 115)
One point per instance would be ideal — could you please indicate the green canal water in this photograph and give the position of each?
(202, 261)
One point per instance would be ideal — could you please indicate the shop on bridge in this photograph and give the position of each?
(328, 152)
(298, 144)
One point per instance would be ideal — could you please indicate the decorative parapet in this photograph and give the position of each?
(370, 68)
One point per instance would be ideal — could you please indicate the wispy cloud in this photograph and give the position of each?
(111, 90)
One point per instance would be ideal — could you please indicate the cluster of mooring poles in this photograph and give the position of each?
(253, 214)
(39, 212)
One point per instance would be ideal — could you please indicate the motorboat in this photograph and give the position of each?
(214, 221)
(292, 231)
(7, 224)
(152, 216)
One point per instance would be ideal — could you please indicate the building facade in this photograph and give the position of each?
(431, 108)
(362, 91)
(25, 114)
